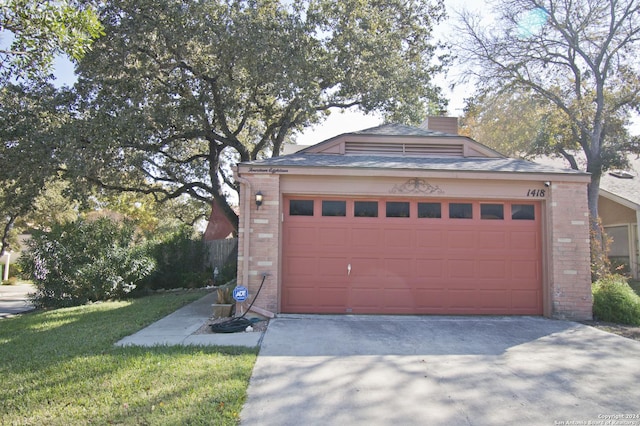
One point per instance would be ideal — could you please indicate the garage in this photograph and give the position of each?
(401, 256)
(398, 219)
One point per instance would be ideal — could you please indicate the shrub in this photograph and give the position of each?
(615, 301)
(84, 261)
(180, 260)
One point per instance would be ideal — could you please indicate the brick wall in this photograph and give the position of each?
(569, 248)
(264, 230)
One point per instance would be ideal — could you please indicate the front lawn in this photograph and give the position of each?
(61, 367)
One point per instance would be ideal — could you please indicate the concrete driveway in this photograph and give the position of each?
(392, 370)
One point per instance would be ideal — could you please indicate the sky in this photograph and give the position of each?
(338, 122)
(352, 120)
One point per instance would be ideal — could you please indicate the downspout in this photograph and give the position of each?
(636, 251)
(247, 224)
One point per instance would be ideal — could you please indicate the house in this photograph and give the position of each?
(619, 210)
(413, 220)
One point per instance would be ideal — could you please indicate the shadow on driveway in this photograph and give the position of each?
(394, 370)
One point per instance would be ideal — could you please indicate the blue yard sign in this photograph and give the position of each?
(240, 294)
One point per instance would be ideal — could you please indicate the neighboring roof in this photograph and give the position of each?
(625, 188)
(218, 227)
(507, 165)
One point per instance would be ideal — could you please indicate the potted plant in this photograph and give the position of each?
(224, 301)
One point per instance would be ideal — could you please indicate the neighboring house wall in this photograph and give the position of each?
(613, 213)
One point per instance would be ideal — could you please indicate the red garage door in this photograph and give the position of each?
(395, 256)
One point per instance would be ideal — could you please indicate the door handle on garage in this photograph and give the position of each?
(348, 269)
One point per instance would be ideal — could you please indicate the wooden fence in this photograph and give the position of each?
(221, 252)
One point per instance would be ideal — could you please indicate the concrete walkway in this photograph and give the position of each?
(178, 328)
(390, 370)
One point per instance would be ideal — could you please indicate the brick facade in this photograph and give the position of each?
(264, 235)
(569, 280)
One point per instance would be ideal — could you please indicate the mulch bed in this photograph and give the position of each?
(628, 331)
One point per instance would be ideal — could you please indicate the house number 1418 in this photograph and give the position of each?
(535, 193)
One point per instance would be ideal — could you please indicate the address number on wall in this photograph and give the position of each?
(536, 193)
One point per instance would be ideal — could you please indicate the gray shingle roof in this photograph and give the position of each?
(629, 189)
(400, 130)
(509, 165)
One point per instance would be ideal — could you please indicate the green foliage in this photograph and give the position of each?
(84, 261)
(615, 301)
(600, 245)
(41, 30)
(176, 92)
(179, 258)
(61, 367)
(31, 119)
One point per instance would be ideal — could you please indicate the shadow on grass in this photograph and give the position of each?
(61, 367)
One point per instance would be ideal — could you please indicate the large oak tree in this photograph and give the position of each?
(176, 92)
(33, 32)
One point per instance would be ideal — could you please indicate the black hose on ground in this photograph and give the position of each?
(240, 323)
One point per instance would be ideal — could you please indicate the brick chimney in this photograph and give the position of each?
(441, 124)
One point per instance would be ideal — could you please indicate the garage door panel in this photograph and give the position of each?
(332, 267)
(412, 265)
(494, 299)
(333, 238)
(461, 268)
(492, 240)
(462, 299)
(365, 238)
(395, 268)
(301, 237)
(525, 299)
(527, 240)
(431, 238)
(492, 269)
(429, 268)
(364, 267)
(431, 298)
(301, 266)
(461, 240)
(528, 269)
(399, 238)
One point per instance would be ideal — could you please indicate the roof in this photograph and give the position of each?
(401, 147)
(625, 188)
(510, 165)
(400, 130)
(392, 134)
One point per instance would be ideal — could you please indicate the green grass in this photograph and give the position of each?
(61, 367)
(635, 285)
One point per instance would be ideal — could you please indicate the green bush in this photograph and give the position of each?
(84, 261)
(180, 261)
(615, 301)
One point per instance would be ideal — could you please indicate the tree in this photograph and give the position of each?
(175, 93)
(577, 55)
(31, 119)
(40, 30)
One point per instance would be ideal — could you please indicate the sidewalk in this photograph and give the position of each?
(14, 299)
(178, 328)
